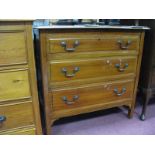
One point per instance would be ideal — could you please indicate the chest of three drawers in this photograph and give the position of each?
(88, 70)
(19, 106)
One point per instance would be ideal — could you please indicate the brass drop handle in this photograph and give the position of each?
(124, 45)
(121, 68)
(2, 119)
(75, 44)
(75, 97)
(68, 75)
(119, 93)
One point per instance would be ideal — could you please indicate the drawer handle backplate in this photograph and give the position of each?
(124, 45)
(2, 119)
(120, 93)
(75, 44)
(75, 97)
(121, 68)
(68, 75)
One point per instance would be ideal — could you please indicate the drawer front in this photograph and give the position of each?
(14, 116)
(12, 48)
(14, 84)
(68, 70)
(101, 93)
(107, 42)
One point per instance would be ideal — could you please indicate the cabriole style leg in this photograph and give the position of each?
(146, 101)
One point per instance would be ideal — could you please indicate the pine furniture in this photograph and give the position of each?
(19, 105)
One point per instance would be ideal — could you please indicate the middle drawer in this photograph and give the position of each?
(66, 70)
(14, 85)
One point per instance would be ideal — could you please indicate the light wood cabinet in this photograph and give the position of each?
(19, 105)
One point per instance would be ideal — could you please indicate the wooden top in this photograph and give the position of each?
(89, 26)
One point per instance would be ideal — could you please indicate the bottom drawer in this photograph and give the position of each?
(100, 93)
(14, 116)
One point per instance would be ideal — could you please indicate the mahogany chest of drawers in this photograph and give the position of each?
(19, 106)
(87, 69)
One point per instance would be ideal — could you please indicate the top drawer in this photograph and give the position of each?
(89, 43)
(12, 48)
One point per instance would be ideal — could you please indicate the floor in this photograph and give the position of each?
(108, 122)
